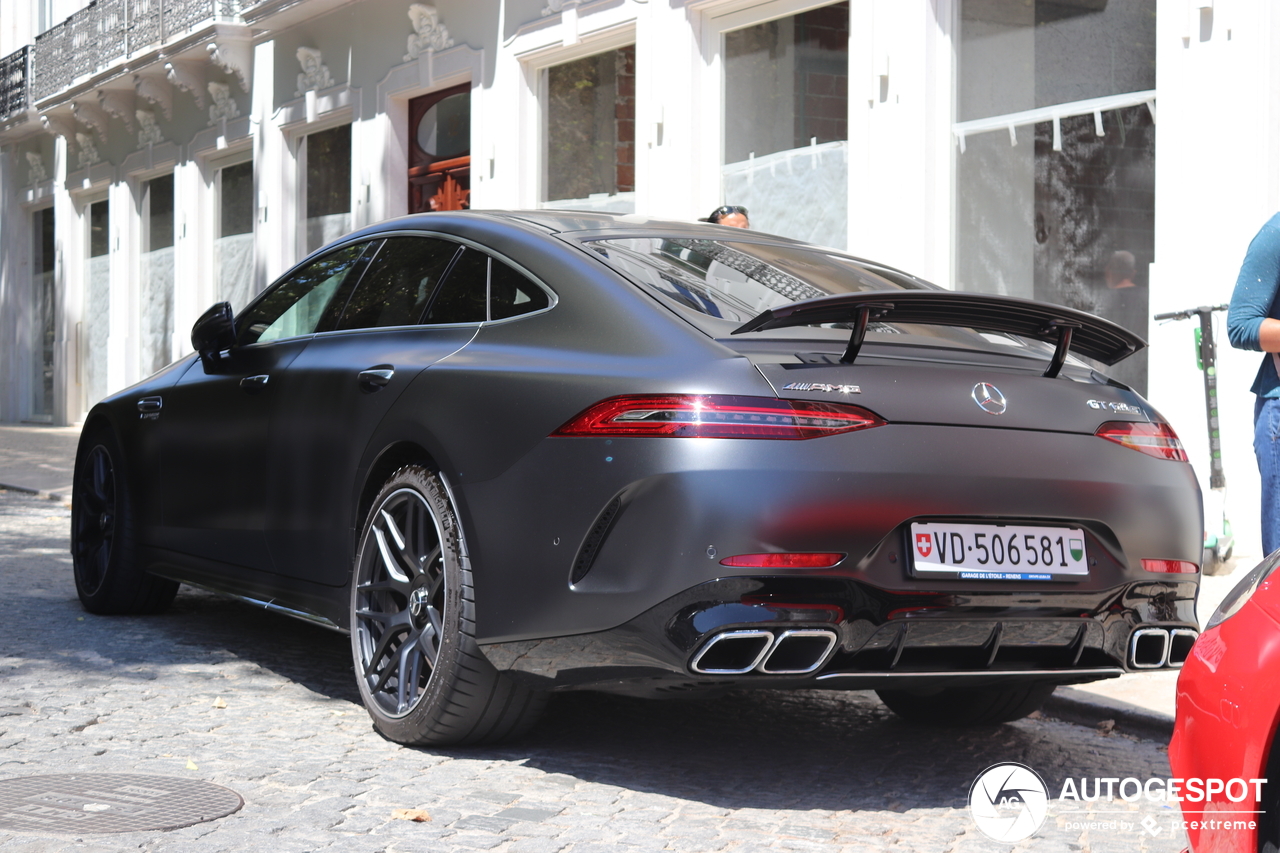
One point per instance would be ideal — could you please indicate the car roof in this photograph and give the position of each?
(592, 225)
(574, 221)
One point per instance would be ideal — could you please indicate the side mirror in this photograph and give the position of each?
(214, 332)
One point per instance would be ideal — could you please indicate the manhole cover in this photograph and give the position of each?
(109, 802)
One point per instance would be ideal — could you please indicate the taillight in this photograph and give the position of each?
(684, 416)
(1158, 440)
(783, 561)
(1177, 567)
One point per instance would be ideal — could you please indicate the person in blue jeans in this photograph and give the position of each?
(1253, 323)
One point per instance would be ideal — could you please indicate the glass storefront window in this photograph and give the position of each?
(97, 299)
(44, 313)
(590, 133)
(328, 186)
(786, 130)
(156, 286)
(1061, 209)
(233, 247)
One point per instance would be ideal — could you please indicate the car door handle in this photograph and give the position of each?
(150, 404)
(376, 377)
(253, 384)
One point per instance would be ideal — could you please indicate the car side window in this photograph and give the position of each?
(480, 288)
(303, 302)
(464, 294)
(512, 294)
(394, 290)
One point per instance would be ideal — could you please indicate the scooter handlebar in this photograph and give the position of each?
(1191, 312)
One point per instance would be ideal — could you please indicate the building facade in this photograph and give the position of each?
(157, 156)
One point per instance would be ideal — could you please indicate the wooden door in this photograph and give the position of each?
(440, 150)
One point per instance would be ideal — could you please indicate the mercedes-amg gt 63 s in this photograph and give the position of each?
(516, 453)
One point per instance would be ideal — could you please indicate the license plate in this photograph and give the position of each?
(997, 552)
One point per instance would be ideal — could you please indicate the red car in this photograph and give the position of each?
(1228, 712)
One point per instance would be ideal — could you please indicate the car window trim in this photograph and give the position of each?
(358, 266)
(552, 297)
(383, 238)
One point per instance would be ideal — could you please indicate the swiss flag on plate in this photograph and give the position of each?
(924, 544)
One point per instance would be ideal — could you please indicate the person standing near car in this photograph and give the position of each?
(1253, 323)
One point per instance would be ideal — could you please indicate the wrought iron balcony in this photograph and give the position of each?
(107, 31)
(15, 75)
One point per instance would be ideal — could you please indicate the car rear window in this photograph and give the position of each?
(719, 285)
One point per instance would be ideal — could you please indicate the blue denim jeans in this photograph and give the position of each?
(1266, 446)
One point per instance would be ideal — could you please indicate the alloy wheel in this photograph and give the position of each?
(399, 602)
(95, 518)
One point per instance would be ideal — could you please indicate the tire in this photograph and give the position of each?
(967, 706)
(422, 677)
(104, 535)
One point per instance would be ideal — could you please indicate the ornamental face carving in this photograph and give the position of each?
(88, 155)
(315, 74)
(224, 106)
(429, 33)
(150, 133)
(35, 169)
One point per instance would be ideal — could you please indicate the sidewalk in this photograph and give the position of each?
(40, 459)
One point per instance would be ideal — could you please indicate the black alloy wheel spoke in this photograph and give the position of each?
(396, 555)
(409, 666)
(387, 653)
(102, 479)
(397, 625)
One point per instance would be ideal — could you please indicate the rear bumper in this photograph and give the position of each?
(679, 506)
(844, 634)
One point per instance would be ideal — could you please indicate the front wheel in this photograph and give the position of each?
(967, 706)
(421, 674)
(108, 579)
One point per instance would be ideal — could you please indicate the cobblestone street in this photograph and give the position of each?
(219, 691)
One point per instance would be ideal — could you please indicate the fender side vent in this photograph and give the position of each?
(595, 538)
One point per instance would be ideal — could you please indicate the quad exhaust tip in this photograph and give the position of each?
(797, 651)
(1155, 648)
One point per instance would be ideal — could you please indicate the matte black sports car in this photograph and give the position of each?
(514, 453)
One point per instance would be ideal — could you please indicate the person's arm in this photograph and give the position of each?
(1249, 325)
(1269, 335)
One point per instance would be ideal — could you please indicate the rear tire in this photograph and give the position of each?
(103, 535)
(421, 674)
(967, 706)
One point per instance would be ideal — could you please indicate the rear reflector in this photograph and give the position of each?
(683, 416)
(1175, 567)
(1158, 440)
(783, 561)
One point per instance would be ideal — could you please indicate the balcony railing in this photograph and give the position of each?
(106, 31)
(15, 77)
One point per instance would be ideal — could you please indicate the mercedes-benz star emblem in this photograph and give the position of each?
(989, 398)
(417, 603)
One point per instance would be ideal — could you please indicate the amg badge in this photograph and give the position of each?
(818, 386)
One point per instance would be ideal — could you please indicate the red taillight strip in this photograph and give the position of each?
(687, 416)
(1176, 567)
(1158, 440)
(783, 561)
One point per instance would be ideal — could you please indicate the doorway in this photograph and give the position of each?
(440, 150)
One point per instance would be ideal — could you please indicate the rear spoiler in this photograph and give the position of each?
(1066, 328)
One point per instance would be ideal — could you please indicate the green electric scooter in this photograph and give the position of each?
(1218, 539)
